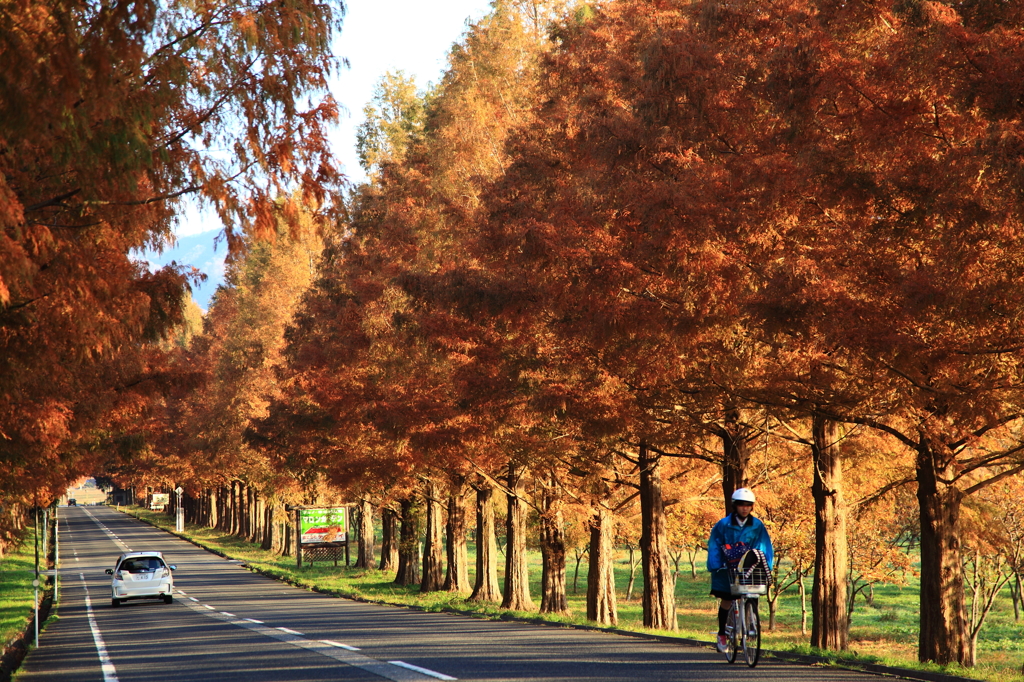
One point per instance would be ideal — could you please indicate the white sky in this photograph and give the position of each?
(377, 36)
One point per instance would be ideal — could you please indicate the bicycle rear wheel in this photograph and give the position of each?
(751, 635)
(732, 632)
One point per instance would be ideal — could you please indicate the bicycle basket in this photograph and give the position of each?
(752, 580)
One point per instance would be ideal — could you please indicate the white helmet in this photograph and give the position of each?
(743, 495)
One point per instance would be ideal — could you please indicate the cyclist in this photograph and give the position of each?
(730, 539)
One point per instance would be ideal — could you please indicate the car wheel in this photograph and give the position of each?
(168, 598)
(115, 602)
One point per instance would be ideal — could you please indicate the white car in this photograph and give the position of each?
(141, 575)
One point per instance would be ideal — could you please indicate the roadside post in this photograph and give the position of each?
(179, 512)
(35, 584)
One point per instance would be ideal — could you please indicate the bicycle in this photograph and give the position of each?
(747, 581)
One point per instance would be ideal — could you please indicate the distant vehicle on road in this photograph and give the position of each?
(141, 575)
(72, 502)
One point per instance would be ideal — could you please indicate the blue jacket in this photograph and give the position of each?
(728, 532)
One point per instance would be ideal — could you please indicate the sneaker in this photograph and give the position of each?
(723, 644)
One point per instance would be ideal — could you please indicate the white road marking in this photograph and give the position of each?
(106, 665)
(409, 666)
(225, 613)
(292, 632)
(209, 607)
(193, 599)
(342, 654)
(107, 531)
(340, 645)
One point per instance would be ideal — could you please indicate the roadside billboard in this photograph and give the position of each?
(318, 526)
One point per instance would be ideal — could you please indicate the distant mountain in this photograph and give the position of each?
(196, 250)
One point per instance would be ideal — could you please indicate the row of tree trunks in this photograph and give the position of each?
(241, 510)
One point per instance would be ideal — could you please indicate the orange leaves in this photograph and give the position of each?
(108, 114)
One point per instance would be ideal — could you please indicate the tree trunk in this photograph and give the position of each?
(579, 553)
(214, 511)
(486, 587)
(433, 549)
(267, 541)
(601, 607)
(389, 540)
(633, 565)
(659, 589)
(943, 636)
(516, 595)
(289, 535)
(456, 578)
(409, 545)
(1018, 596)
(365, 557)
(735, 455)
(828, 593)
(552, 545)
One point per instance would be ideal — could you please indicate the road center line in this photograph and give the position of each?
(107, 531)
(344, 655)
(106, 665)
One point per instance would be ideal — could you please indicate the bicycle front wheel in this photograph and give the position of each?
(751, 635)
(732, 629)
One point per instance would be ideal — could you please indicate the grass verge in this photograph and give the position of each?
(17, 571)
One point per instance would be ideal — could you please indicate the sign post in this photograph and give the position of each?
(179, 512)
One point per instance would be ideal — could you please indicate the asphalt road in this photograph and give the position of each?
(229, 624)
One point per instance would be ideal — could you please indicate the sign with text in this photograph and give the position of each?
(323, 525)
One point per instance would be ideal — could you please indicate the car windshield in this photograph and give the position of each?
(141, 565)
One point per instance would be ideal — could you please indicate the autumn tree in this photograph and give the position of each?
(108, 114)
(393, 122)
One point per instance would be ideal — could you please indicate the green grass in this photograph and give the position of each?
(884, 633)
(17, 571)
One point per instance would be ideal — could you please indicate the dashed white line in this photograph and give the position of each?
(193, 599)
(225, 613)
(340, 645)
(424, 671)
(106, 665)
(209, 607)
(395, 671)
